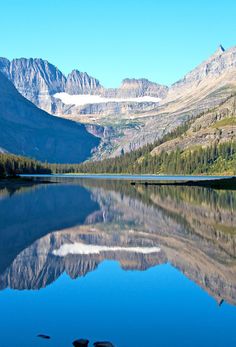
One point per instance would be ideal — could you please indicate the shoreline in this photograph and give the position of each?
(220, 183)
(214, 182)
(136, 177)
(18, 181)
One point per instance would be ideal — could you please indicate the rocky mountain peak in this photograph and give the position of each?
(34, 78)
(134, 88)
(220, 50)
(81, 83)
(218, 64)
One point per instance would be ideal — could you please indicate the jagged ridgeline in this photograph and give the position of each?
(122, 119)
(191, 129)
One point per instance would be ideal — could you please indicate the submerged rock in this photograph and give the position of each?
(80, 343)
(103, 344)
(42, 336)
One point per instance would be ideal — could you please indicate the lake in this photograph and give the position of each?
(139, 266)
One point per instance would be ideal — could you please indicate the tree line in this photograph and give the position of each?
(197, 161)
(213, 159)
(13, 165)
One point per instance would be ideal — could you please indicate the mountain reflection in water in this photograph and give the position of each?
(47, 230)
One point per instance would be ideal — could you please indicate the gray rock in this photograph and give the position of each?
(103, 344)
(33, 78)
(133, 88)
(81, 83)
(42, 336)
(81, 343)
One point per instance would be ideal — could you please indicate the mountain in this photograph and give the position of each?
(29, 131)
(136, 88)
(207, 84)
(38, 81)
(137, 113)
(204, 88)
(81, 83)
(35, 79)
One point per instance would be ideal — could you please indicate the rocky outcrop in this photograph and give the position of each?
(220, 62)
(135, 88)
(211, 128)
(35, 79)
(38, 81)
(81, 83)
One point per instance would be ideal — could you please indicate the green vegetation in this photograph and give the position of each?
(12, 165)
(131, 162)
(210, 160)
(225, 121)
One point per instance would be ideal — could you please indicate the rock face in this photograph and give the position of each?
(211, 128)
(35, 79)
(27, 130)
(220, 62)
(38, 80)
(81, 83)
(206, 87)
(80, 343)
(134, 88)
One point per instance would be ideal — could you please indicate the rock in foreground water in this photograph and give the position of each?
(103, 344)
(42, 336)
(81, 343)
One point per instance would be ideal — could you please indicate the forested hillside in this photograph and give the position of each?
(12, 165)
(215, 159)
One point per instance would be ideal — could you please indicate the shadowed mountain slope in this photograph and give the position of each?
(27, 130)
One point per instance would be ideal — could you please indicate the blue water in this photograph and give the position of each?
(130, 177)
(129, 299)
(158, 307)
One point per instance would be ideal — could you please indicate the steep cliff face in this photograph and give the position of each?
(27, 130)
(35, 79)
(206, 85)
(220, 62)
(81, 83)
(134, 88)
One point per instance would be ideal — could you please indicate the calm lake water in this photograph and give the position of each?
(101, 259)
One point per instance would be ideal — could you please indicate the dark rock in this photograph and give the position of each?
(103, 344)
(42, 336)
(80, 343)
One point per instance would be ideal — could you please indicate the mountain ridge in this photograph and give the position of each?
(132, 123)
(28, 130)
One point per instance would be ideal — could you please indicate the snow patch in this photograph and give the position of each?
(79, 100)
(81, 248)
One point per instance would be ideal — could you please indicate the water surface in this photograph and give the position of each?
(101, 259)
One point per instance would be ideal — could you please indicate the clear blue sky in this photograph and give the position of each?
(113, 39)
